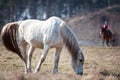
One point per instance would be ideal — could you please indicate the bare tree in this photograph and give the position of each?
(11, 10)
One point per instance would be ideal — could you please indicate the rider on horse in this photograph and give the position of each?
(106, 33)
(106, 26)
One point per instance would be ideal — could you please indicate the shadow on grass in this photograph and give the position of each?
(108, 73)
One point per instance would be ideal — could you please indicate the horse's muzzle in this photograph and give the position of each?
(80, 73)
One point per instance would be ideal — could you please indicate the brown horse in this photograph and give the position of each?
(107, 36)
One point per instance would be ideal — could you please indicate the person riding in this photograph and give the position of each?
(106, 26)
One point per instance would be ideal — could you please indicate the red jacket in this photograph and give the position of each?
(106, 26)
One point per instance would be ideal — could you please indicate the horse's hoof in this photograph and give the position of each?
(28, 71)
(55, 72)
(36, 71)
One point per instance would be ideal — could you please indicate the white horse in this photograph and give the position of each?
(52, 33)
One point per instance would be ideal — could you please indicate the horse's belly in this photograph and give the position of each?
(52, 44)
(56, 45)
(37, 44)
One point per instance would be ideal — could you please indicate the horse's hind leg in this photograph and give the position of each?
(30, 52)
(107, 42)
(23, 46)
(57, 55)
(42, 58)
(111, 41)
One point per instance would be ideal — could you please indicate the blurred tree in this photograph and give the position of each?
(13, 10)
(33, 8)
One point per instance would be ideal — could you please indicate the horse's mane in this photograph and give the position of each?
(9, 37)
(70, 41)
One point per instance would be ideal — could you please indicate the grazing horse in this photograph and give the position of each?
(106, 35)
(51, 33)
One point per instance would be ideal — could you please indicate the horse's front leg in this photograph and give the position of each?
(42, 58)
(103, 42)
(30, 52)
(56, 61)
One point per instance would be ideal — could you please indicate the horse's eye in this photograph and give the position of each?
(80, 60)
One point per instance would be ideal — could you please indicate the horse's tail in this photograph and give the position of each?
(69, 39)
(9, 36)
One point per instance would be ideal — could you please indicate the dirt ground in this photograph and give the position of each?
(101, 63)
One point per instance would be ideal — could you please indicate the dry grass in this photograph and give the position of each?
(101, 63)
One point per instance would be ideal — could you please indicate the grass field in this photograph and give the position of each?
(101, 63)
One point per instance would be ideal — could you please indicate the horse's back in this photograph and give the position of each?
(49, 23)
(41, 32)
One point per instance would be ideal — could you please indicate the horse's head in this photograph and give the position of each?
(77, 64)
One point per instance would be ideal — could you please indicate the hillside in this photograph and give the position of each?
(87, 27)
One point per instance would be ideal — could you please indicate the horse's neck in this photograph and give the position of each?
(104, 30)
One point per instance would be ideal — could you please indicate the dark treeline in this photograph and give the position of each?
(13, 10)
